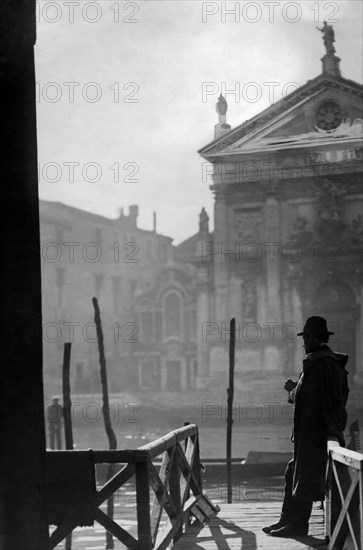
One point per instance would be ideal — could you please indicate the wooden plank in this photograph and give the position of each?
(239, 526)
(188, 474)
(206, 508)
(106, 457)
(61, 532)
(174, 485)
(116, 530)
(157, 509)
(161, 492)
(168, 533)
(347, 457)
(115, 483)
(155, 448)
(340, 531)
(143, 506)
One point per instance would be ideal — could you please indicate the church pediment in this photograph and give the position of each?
(326, 110)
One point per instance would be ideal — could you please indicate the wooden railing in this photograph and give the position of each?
(177, 487)
(344, 499)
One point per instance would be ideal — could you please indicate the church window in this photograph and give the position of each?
(172, 316)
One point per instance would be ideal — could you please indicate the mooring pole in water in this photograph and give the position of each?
(230, 391)
(112, 441)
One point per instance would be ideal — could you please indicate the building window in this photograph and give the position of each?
(148, 375)
(172, 316)
(60, 279)
(116, 294)
(147, 326)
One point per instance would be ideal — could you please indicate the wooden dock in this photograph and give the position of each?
(239, 527)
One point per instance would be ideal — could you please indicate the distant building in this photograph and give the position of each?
(86, 255)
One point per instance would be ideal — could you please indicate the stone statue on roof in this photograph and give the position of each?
(328, 37)
(203, 221)
(221, 106)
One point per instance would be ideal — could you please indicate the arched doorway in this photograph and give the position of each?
(336, 302)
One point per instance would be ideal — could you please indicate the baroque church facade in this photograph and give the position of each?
(288, 233)
(287, 243)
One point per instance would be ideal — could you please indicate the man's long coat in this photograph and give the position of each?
(320, 398)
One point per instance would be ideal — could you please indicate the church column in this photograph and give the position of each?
(204, 328)
(220, 265)
(273, 313)
(273, 263)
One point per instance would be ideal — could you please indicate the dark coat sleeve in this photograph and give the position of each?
(332, 387)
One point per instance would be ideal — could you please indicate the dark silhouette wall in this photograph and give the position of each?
(23, 519)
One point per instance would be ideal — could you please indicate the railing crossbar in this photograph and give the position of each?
(115, 483)
(116, 530)
(344, 513)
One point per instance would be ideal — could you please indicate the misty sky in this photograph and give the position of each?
(122, 96)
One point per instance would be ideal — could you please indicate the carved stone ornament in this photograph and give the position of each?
(247, 227)
(300, 234)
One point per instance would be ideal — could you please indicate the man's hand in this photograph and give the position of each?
(289, 385)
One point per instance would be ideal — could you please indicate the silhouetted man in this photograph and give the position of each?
(54, 413)
(320, 397)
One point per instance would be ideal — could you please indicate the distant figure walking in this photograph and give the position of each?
(54, 414)
(320, 397)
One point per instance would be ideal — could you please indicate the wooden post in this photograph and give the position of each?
(67, 404)
(23, 505)
(174, 488)
(67, 397)
(112, 441)
(230, 391)
(143, 506)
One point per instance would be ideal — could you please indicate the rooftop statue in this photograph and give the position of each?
(328, 37)
(221, 106)
(203, 221)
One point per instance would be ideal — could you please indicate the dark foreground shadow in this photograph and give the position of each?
(309, 541)
(195, 542)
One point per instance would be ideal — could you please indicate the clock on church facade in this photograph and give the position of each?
(329, 115)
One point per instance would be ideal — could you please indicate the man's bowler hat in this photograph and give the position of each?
(317, 326)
